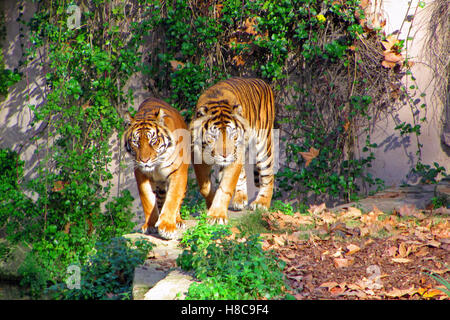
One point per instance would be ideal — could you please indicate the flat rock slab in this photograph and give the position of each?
(145, 278)
(173, 287)
(394, 198)
(159, 278)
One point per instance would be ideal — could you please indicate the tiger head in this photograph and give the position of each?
(148, 140)
(219, 133)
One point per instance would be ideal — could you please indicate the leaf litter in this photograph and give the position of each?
(355, 255)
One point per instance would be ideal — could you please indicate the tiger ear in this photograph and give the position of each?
(160, 117)
(201, 111)
(128, 118)
(237, 109)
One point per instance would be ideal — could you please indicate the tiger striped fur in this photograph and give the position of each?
(157, 141)
(231, 116)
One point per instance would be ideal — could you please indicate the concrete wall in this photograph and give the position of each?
(396, 155)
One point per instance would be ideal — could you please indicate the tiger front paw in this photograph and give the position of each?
(239, 202)
(217, 217)
(148, 230)
(260, 204)
(166, 229)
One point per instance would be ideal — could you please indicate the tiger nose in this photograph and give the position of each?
(144, 159)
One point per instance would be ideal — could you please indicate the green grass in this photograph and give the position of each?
(251, 223)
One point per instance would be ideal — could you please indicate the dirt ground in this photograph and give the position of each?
(355, 255)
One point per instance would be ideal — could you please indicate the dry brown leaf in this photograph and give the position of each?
(433, 243)
(401, 260)
(402, 250)
(67, 228)
(329, 285)
(59, 185)
(422, 252)
(317, 209)
(390, 42)
(338, 253)
(407, 210)
(430, 293)
(343, 262)
(392, 251)
(397, 293)
(238, 61)
(350, 213)
(364, 231)
(328, 217)
(336, 290)
(352, 248)
(310, 155)
(249, 25)
(174, 64)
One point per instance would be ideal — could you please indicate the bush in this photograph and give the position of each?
(108, 275)
(230, 269)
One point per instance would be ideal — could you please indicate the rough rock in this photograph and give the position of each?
(173, 287)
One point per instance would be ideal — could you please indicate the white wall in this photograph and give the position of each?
(396, 155)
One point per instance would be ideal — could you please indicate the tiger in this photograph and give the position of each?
(229, 117)
(155, 138)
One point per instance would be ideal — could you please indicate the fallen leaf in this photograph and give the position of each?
(328, 217)
(371, 284)
(402, 250)
(317, 209)
(329, 285)
(343, 262)
(442, 210)
(352, 249)
(397, 293)
(422, 252)
(433, 243)
(392, 251)
(235, 230)
(174, 64)
(310, 155)
(401, 260)
(336, 290)
(238, 61)
(350, 213)
(407, 210)
(430, 293)
(338, 253)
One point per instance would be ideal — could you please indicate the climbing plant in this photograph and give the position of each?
(87, 53)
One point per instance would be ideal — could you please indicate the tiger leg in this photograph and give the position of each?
(161, 192)
(240, 198)
(148, 200)
(265, 178)
(217, 213)
(203, 175)
(167, 222)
